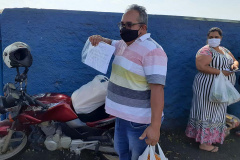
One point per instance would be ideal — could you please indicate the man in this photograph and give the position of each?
(136, 88)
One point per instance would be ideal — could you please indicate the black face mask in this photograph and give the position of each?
(128, 34)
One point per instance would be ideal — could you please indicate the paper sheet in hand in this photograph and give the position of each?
(98, 57)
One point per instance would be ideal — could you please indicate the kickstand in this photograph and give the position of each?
(97, 148)
(97, 154)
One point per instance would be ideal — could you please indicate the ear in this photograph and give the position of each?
(144, 27)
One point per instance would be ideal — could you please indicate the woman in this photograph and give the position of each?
(207, 119)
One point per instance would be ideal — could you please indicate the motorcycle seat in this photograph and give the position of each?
(95, 115)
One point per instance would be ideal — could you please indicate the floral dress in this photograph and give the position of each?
(207, 119)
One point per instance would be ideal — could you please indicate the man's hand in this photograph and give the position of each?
(95, 39)
(152, 134)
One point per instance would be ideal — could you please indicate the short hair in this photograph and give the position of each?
(214, 29)
(143, 17)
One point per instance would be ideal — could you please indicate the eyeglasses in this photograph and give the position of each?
(127, 24)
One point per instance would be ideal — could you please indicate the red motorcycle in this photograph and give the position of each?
(48, 113)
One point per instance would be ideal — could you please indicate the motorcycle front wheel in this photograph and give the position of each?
(18, 142)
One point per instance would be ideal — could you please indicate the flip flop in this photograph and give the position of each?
(214, 147)
(212, 150)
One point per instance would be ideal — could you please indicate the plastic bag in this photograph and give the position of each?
(150, 154)
(91, 95)
(233, 94)
(86, 49)
(218, 92)
(232, 121)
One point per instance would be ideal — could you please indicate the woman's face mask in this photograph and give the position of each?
(214, 42)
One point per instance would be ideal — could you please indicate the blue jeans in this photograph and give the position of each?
(126, 139)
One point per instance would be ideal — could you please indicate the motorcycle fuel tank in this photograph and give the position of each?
(59, 109)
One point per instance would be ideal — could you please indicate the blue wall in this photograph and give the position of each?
(58, 36)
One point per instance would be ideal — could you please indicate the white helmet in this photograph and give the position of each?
(17, 55)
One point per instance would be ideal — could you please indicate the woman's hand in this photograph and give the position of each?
(234, 67)
(227, 73)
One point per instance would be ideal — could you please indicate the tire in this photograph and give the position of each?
(15, 145)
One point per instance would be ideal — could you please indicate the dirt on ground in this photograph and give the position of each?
(177, 146)
(174, 143)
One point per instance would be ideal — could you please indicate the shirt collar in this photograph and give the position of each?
(144, 37)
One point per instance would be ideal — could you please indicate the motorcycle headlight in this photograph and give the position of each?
(12, 99)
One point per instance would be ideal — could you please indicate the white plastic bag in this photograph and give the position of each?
(150, 150)
(233, 94)
(91, 95)
(218, 92)
(223, 91)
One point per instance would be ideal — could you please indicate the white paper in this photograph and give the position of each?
(98, 57)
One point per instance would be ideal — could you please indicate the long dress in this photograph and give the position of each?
(207, 119)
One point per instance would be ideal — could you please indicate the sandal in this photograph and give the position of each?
(213, 150)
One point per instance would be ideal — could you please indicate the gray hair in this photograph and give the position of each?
(143, 17)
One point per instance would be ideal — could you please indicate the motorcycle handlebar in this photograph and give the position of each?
(34, 101)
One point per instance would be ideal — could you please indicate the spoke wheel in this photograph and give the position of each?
(17, 143)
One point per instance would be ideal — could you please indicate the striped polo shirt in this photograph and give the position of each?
(133, 68)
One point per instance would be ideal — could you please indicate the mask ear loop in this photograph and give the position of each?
(138, 31)
(141, 27)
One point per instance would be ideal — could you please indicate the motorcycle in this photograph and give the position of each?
(53, 117)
